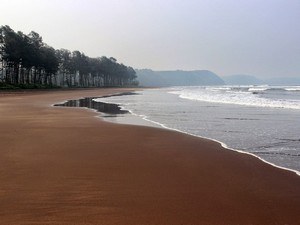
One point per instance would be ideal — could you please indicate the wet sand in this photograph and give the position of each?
(62, 165)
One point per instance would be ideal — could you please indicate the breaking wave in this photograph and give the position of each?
(258, 96)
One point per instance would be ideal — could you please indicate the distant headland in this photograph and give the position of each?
(150, 78)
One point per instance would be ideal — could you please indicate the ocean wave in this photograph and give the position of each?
(253, 88)
(258, 89)
(292, 88)
(246, 96)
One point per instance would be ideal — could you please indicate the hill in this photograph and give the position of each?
(150, 78)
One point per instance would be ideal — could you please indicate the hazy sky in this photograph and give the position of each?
(257, 37)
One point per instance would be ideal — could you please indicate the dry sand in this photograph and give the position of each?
(66, 166)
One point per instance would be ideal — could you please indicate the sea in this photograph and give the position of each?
(261, 120)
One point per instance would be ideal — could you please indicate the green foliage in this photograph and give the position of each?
(28, 62)
(4, 86)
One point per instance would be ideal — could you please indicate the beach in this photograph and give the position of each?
(67, 166)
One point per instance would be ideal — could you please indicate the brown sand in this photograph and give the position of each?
(65, 166)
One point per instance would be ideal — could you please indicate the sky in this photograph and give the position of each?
(255, 37)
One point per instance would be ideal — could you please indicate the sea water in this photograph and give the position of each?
(261, 120)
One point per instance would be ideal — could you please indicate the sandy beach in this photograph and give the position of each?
(66, 166)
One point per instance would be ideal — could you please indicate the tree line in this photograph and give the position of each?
(26, 60)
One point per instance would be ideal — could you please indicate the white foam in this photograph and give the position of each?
(236, 96)
(296, 88)
(258, 89)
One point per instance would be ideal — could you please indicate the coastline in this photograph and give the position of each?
(225, 146)
(155, 124)
(54, 172)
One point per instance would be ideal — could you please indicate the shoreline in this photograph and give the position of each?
(65, 166)
(159, 125)
(224, 145)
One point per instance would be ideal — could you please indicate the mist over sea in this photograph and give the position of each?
(262, 120)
